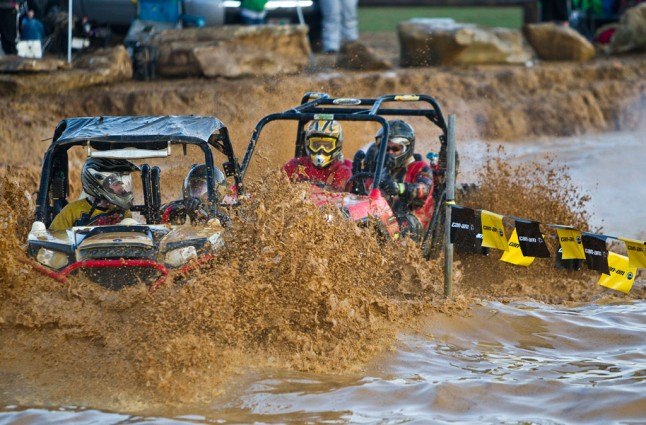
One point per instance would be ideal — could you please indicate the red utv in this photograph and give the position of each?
(362, 200)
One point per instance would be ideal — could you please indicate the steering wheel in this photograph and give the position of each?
(357, 183)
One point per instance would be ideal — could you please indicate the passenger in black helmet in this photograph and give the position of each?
(407, 183)
(108, 186)
(195, 197)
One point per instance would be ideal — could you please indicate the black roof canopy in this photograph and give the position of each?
(153, 131)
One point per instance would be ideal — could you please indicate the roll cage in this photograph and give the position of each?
(316, 106)
(150, 133)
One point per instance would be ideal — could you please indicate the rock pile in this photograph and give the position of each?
(558, 43)
(631, 32)
(232, 51)
(356, 55)
(426, 42)
(103, 66)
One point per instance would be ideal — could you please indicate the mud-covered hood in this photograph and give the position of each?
(357, 207)
(126, 242)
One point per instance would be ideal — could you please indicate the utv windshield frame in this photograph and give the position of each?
(320, 106)
(139, 132)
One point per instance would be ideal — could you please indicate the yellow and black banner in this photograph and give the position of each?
(493, 231)
(531, 239)
(620, 276)
(463, 230)
(514, 254)
(636, 252)
(596, 252)
(527, 243)
(571, 243)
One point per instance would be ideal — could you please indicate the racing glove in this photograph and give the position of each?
(191, 205)
(391, 187)
(359, 162)
(389, 162)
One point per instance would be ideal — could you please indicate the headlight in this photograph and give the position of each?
(216, 241)
(179, 256)
(53, 259)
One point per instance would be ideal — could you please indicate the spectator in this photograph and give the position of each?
(31, 29)
(8, 27)
(339, 23)
(252, 12)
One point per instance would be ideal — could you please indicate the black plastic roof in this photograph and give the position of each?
(137, 129)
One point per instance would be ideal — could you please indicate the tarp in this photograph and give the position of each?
(187, 128)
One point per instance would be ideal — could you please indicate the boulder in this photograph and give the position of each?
(16, 64)
(358, 56)
(232, 51)
(426, 42)
(102, 66)
(113, 63)
(631, 32)
(558, 43)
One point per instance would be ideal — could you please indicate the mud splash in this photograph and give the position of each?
(295, 288)
(289, 290)
(543, 192)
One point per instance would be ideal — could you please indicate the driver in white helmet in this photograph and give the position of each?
(108, 186)
(324, 163)
(195, 197)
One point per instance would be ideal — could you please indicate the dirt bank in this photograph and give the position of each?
(494, 102)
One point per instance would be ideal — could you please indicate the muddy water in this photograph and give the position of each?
(517, 363)
(494, 363)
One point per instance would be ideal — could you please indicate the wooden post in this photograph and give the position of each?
(450, 200)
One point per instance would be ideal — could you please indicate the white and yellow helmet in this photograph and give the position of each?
(324, 142)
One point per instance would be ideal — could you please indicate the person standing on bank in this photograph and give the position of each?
(252, 12)
(8, 26)
(339, 23)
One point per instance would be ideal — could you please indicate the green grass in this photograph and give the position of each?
(376, 19)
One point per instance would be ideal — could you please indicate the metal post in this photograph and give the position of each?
(70, 18)
(299, 12)
(450, 200)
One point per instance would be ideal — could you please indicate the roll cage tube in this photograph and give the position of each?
(317, 104)
(304, 117)
(373, 106)
(220, 141)
(321, 103)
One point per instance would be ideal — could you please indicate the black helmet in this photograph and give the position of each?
(109, 179)
(196, 185)
(400, 133)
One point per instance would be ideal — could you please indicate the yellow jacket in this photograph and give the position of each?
(76, 211)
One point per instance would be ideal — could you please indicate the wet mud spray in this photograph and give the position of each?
(295, 288)
(290, 290)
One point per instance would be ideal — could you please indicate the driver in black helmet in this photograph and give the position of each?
(108, 186)
(407, 183)
(195, 197)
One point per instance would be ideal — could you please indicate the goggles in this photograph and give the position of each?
(198, 188)
(115, 183)
(396, 149)
(325, 144)
(396, 145)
